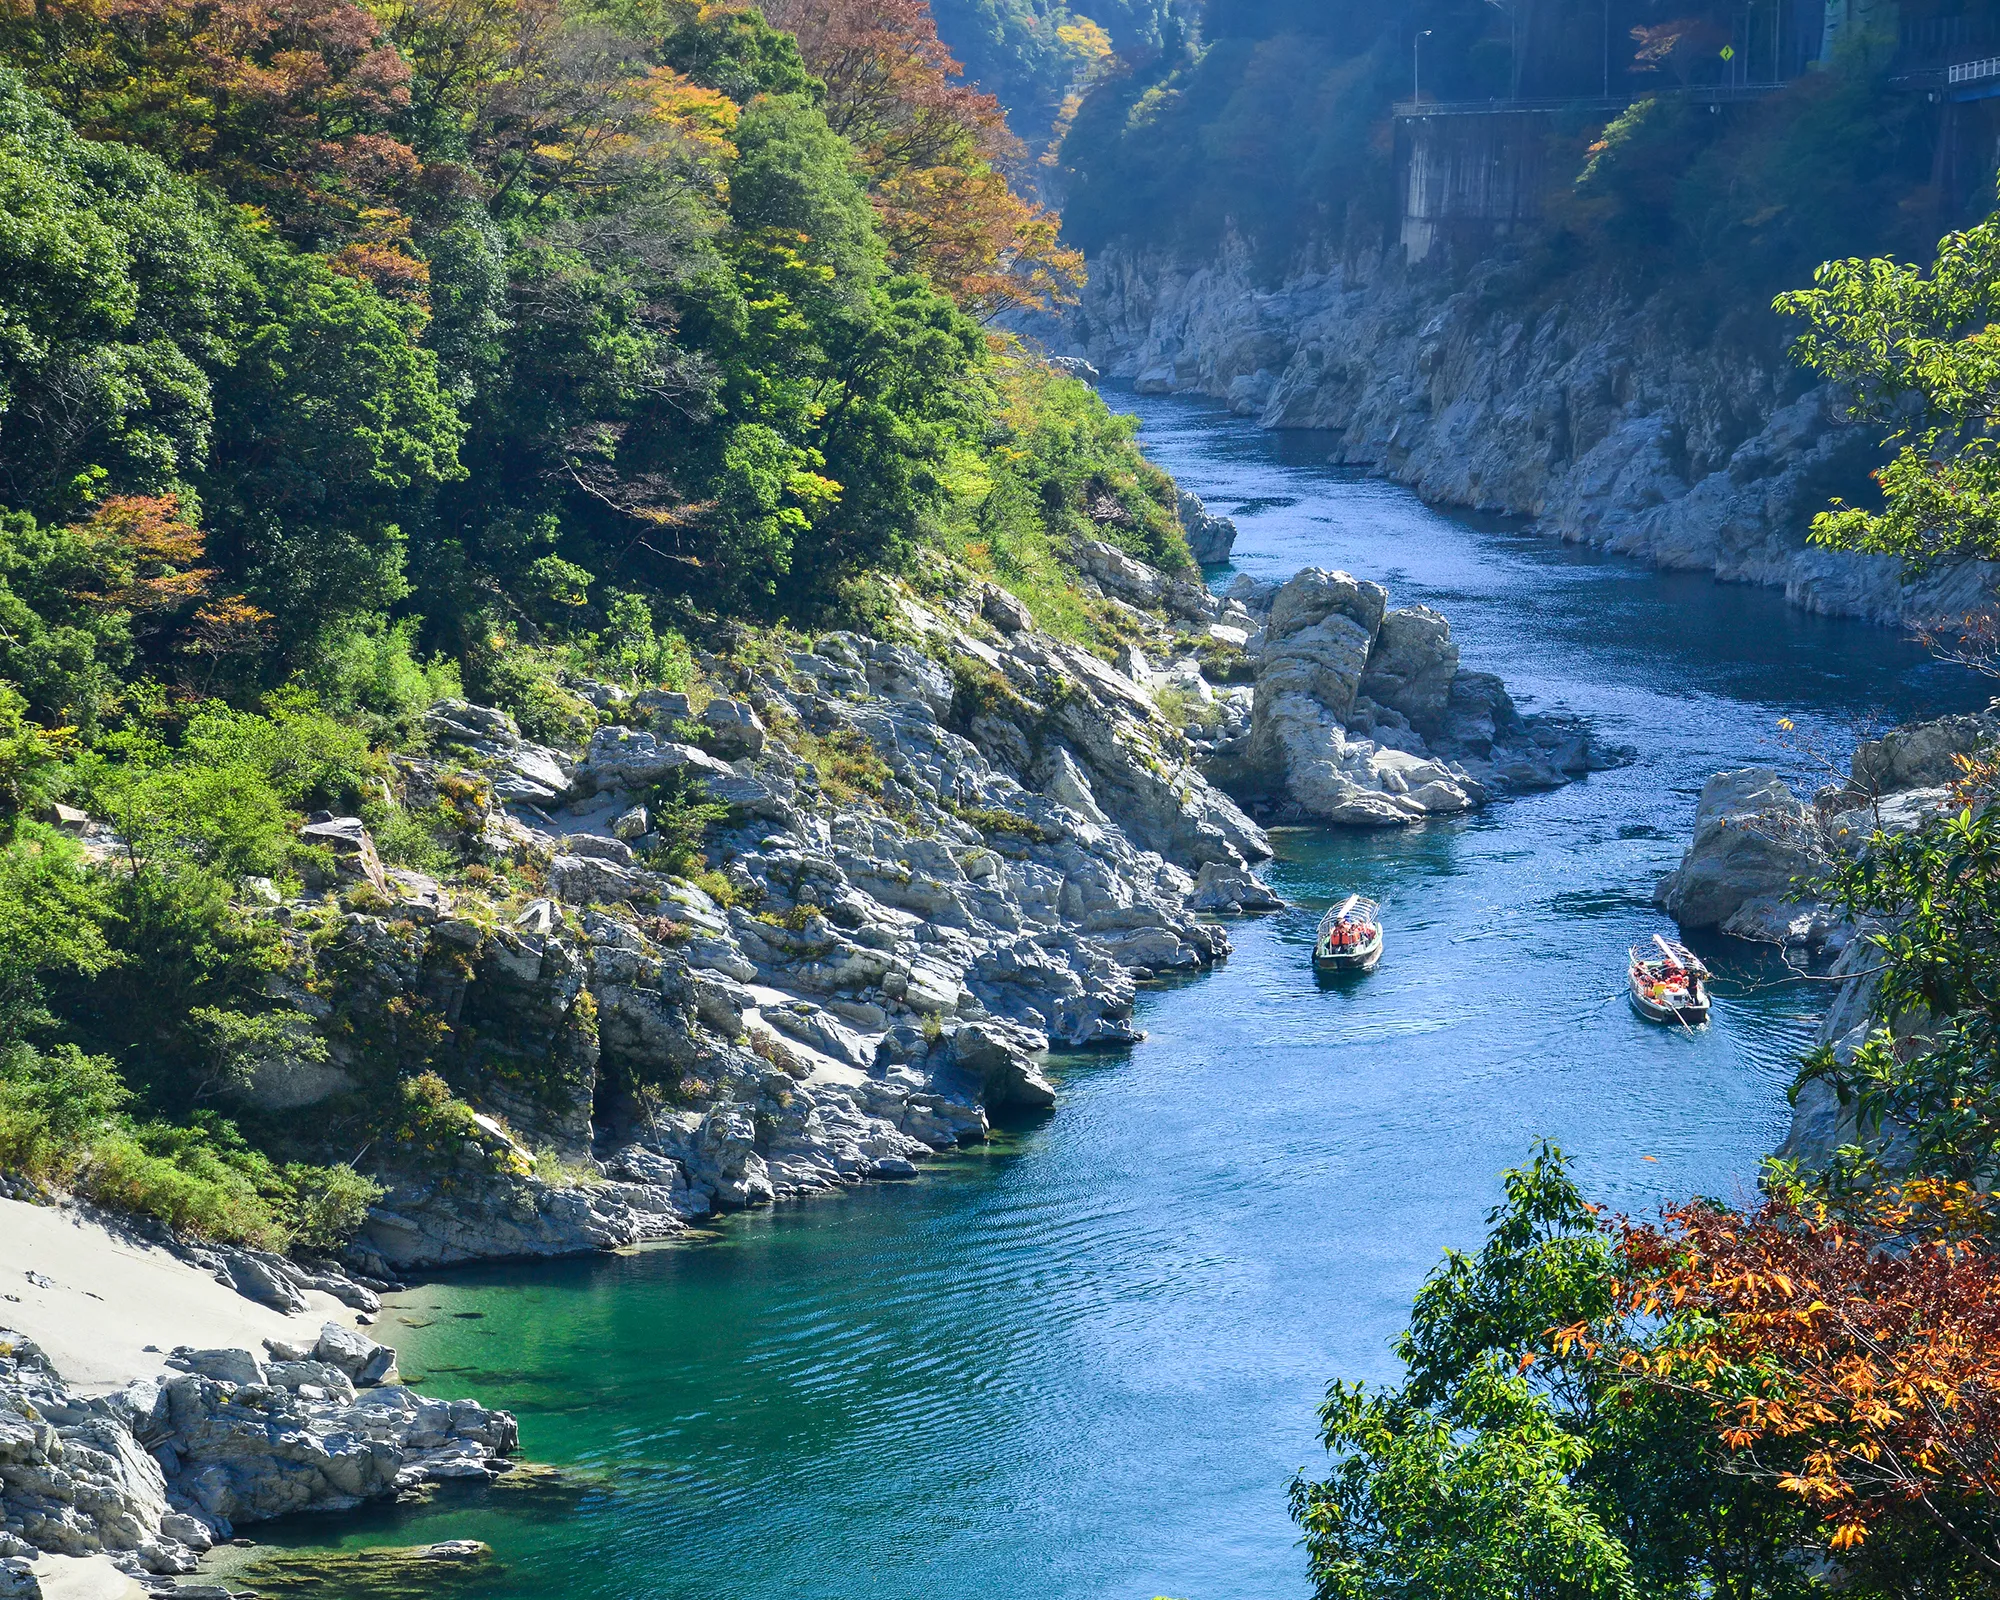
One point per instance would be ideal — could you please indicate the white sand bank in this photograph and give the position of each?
(84, 1578)
(114, 1295)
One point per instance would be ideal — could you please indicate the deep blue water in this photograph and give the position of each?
(1082, 1363)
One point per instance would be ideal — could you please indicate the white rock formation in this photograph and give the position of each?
(157, 1471)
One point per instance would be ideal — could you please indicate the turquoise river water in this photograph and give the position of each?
(1082, 1362)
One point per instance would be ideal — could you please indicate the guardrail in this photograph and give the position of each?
(1700, 93)
(1973, 71)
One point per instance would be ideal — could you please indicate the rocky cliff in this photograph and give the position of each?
(943, 850)
(1756, 844)
(1589, 410)
(931, 855)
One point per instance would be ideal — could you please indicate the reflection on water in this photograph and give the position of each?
(1081, 1363)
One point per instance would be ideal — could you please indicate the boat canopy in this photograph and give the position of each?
(1681, 956)
(1355, 908)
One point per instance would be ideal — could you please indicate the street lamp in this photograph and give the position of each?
(1417, 65)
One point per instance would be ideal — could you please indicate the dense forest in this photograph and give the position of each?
(354, 357)
(1270, 120)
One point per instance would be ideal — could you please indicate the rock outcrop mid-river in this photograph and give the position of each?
(1594, 412)
(1363, 717)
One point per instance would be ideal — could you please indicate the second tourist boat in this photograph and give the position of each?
(1350, 937)
(1670, 986)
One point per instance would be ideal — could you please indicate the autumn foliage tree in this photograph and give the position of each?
(1849, 1359)
(936, 152)
(1763, 1404)
(292, 105)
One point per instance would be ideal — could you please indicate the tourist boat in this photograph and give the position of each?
(1670, 986)
(1349, 937)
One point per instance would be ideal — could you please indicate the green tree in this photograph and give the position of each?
(332, 434)
(736, 52)
(50, 925)
(59, 644)
(1919, 350)
(1518, 1459)
(116, 290)
(1476, 1500)
(1931, 1065)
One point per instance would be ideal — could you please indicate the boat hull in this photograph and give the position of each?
(1654, 1011)
(1362, 960)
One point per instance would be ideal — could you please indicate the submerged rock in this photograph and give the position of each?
(415, 1572)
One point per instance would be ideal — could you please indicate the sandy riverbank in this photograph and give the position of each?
(107, 1306)
(85, 1578)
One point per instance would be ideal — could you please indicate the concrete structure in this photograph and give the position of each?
(1475, 172)
(1478, 177)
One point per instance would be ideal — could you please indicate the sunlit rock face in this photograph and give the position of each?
(1592, 412)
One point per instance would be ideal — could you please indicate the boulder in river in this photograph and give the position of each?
(1752, 839)
(1005, 1059)
(1210, 538)
(1410, 667)
(1364, 717)
(1225, 889)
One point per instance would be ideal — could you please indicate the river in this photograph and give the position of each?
(1081, 1362)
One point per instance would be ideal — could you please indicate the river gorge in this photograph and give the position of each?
(1082, 1360)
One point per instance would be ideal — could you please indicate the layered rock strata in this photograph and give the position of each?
(939, 859)
(156, 1472)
